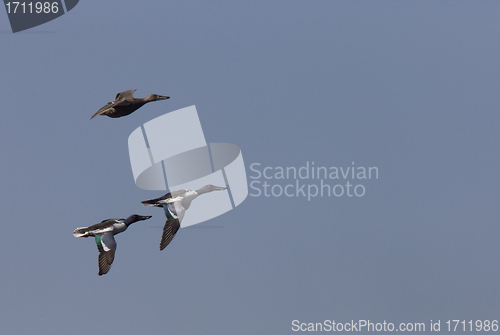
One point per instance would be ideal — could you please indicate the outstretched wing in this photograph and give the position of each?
(154, 202)
(110, 107)
(107, 246)
(171, 227)
(129, 94)
(104, 225)
(98, 228)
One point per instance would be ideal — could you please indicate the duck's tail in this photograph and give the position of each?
(81, 232)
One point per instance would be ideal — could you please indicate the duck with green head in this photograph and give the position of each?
(104, 233)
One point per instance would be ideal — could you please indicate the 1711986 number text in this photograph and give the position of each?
(32, 7)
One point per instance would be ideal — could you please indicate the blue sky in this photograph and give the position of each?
(408, 87)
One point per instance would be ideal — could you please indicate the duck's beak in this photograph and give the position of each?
(145, 217)
(162, 97)
(218, 188)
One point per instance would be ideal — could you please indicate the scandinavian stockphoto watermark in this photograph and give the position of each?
(361, 326)
(310, 180)
(384, 326)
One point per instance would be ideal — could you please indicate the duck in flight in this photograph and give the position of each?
(175, 205)
(125, 104)
(104, 237)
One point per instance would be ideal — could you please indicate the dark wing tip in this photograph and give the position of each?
(169, 230)
(105, 260)
(99, 112)
(151, 203)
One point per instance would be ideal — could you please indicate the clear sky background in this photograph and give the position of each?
(409, 87)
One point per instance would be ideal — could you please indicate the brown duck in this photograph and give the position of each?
(125, 104)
